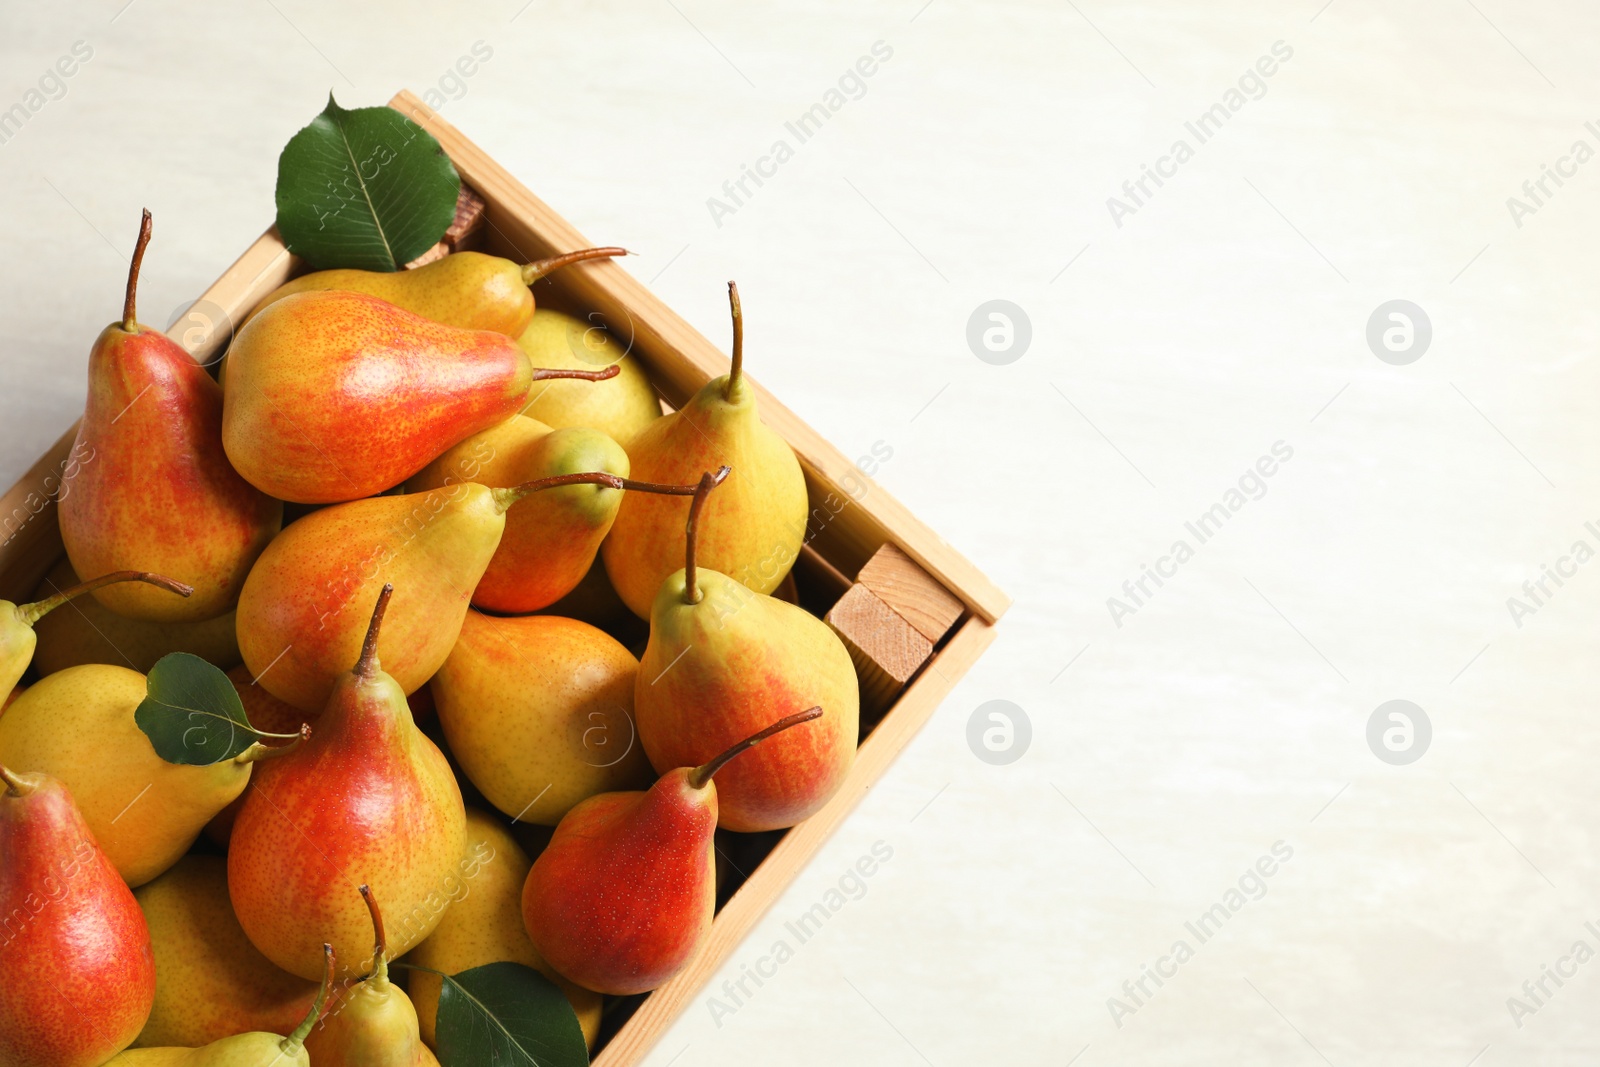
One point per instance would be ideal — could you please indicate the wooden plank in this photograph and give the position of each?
(210, 324)
(911, 592)
(640, 1033)
(686, 359)
(31, 535)
(886, 649)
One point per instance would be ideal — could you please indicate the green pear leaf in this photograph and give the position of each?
(506, 1014)
(191, 712)
(367, 188)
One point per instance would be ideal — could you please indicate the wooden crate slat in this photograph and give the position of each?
(911, 592)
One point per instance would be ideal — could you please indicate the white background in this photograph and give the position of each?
(1227, 314)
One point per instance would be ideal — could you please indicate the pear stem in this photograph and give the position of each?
(293, 1043)
(367, 665)
(737, 370)
(504, 498)
(545, 373)
(702, 774)
(708, 481)
(15, 786)
(380, 950)
(129, 323)
(258, 752)
(32, 613)
(532, 272)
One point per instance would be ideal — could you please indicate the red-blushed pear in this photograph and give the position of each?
(374, 1023)
(551, 538)
(254, 1049)
(622, 897)
(470, 290)
(76, 975)
(757, 523)
(17, 639)
(368, 800)
(302, 613)
(152, 490)
(718, 656)
(336, 396)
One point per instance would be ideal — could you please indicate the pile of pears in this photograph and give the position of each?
(505, 631)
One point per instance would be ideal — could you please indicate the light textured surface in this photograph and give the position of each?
(1228, 313)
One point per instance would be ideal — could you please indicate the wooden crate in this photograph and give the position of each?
(679, 361)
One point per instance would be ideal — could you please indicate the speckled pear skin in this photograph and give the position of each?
(368, 800)
(484, 925)
(468, 290)
(620, 408)
(211, 982)
(718, 670)
(553, 536)
(334, 395)
(144, 812)
(622, 897)
(76, 975)
(305, 607)
(149, 488)
(752, 526)
(538, 712)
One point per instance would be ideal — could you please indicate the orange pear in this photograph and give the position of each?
(152, 490)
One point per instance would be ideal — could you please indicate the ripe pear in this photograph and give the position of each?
(301, 613)
(484, 925)
(374, 1024)
(306, 605)
(551, 538)
(468, 290)
(155, 491)
(89, 632)
(78, 726)
(368, 800)
(255, 1049)
(336, 396)
(211, 982)
(17, 638)
(622, 897)
(538, 712)
(757, 522)
(719, 657)
(76, 976)
(620, 408)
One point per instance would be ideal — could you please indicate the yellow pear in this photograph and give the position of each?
(211, 982)
(619, 408)
(755, 524)
(484, 925)
(254, 1049)
(87, 631)
(77, 725)
(538, 711)
(374, 1024)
